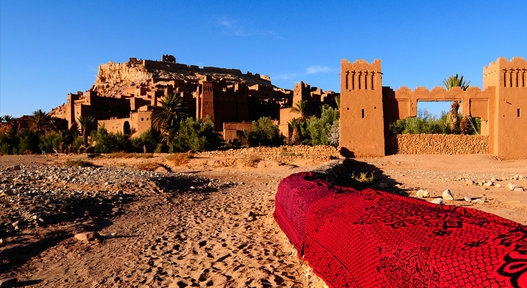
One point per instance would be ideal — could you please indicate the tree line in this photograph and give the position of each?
(172, 131)
(451, 122)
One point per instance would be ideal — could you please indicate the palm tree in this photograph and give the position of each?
(295, 137)
(8, 119)
(452, 117)
(86, 123)
(450, 82)
(167, 117)
(337, 102)
(300, 108)
(455, 81)
(40, 121)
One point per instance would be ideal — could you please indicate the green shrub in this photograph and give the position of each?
(109, 142)
(317, 130)
(28, 142)
(195, 135)
(264, 133)
(51, 141)
(424, 123)
(9, 142)
(147, 140)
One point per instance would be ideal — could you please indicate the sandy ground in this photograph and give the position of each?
(226, 237)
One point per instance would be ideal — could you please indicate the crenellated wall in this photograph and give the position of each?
(500, 106)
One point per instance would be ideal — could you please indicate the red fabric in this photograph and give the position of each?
(295, 195)
(377, 239)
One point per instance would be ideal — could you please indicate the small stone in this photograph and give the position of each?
(399, 186)
(478, 201)
(87, 236)
(447, 195)
(497, 185)
(421, 193)
(438, 201)
(511, 186)
(251, 216)
(469, 182)
(468, 199)
(518, 189)
(494, 179)
(8, 282)
(488, 184)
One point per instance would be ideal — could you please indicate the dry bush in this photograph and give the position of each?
(179, 158)
(252, 160)
(148, 166)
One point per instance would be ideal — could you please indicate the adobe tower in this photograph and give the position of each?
(361, 106)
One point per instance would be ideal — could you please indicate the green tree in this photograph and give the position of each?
(9, 142)
(50, 141)
(195, 135)
(106, 142)
(28, 141)
(264, 133)
(296, 136)
(453, 118)
(146, 142)
(167, 117)
(456, 81)
(319, 129)
(301, 109)
(40, 121)
(453, 121)
(6, 119)
(86, 123)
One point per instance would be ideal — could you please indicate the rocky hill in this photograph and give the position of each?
(116, 78)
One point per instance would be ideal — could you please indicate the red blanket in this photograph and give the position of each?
(376, 239)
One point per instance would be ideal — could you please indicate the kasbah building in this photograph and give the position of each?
(125, 94)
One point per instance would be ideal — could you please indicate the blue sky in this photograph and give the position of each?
(51, 48)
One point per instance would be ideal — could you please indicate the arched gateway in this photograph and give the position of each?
(367, 108)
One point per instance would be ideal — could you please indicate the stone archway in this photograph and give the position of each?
(367, 108)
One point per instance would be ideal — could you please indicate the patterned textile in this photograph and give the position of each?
(295, 195)
(372, 238)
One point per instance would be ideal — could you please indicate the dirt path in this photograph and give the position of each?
(219, 232)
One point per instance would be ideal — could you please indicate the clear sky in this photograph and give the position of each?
(50, 48)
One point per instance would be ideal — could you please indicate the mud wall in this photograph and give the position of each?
(440, 144)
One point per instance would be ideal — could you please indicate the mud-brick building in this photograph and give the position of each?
(367, 108)
(124, 95)
(314, 98)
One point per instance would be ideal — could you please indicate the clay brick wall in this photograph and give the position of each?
(441, 144)
(232, 130)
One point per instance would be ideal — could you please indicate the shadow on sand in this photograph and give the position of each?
(361, 175)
